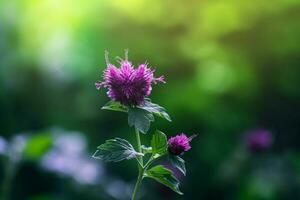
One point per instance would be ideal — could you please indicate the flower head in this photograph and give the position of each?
(258, 140)
(128, 85)
(179, 144)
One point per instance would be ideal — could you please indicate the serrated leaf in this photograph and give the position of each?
(155, 109)
(140, 119)
(115, 106)
(159, 143)
(178, 162)
(164, 176)
(115, 150)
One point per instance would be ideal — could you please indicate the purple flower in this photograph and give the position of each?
(179, 144)
(128, 85)
(258, 140)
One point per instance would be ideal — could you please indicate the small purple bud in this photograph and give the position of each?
(259, 140)
(179, 144)
(128, 85)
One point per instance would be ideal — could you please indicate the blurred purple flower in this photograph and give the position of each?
(127, 85)
(179, 144)
(259, 140)
(68, 158)
(17, 146)
(119, 189)
(3, 146)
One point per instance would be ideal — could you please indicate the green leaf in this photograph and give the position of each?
(115, 150)
(164, 176)
(155, 109)
(140, 119)
(159, 143)
(178, 162)
(115, 106)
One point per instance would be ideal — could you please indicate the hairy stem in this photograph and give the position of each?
(140, 166)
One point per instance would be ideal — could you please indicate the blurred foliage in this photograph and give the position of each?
(230, 66)
(37, 146)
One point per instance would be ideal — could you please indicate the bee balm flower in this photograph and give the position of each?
(128, 85)
(179, 144)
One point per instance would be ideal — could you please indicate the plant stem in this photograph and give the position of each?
(137, 185)
(139, 145)
(140, 167)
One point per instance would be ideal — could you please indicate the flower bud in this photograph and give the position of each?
(179, 144)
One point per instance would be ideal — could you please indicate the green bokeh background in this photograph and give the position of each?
(230, 66)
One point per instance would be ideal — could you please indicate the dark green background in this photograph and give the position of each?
(230, 66)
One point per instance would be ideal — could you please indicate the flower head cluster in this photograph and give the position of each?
(128, 85)
(259, 140)
(179, 144)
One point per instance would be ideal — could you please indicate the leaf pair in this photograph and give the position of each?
(140, 116)
(115, 150)
(159, 173)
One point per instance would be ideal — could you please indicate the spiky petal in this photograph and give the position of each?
(128, 85)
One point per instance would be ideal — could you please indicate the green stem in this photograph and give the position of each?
(139, 145)
(137, 185)
(140, 166)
